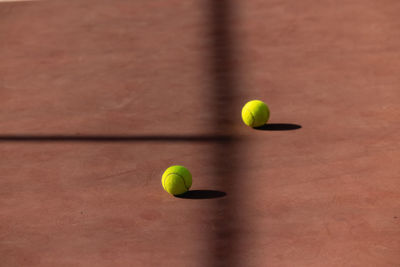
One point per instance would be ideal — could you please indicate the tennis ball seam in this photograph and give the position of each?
(252, 115)
(183, 179)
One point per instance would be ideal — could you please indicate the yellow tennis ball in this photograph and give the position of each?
(176, 180)
(255, 113)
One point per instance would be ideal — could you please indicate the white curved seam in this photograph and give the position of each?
(183, 179)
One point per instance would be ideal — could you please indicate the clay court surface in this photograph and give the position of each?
(99, 97)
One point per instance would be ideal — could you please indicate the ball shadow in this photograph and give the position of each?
(202, 194)
(278, 127)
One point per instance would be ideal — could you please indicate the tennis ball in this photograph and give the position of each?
(176, 180)
(255, 113)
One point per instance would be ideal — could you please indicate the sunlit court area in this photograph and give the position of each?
(200, 133)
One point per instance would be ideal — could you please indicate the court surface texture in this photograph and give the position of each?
(99, 97)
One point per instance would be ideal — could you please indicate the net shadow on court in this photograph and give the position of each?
(223, 70)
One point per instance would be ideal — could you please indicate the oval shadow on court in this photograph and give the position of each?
(278, 127)
(202, 194)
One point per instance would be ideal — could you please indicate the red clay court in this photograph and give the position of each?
(99, 97)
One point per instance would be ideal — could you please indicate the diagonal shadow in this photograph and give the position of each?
(114, 138)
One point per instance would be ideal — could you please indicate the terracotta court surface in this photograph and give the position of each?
(99, 97)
